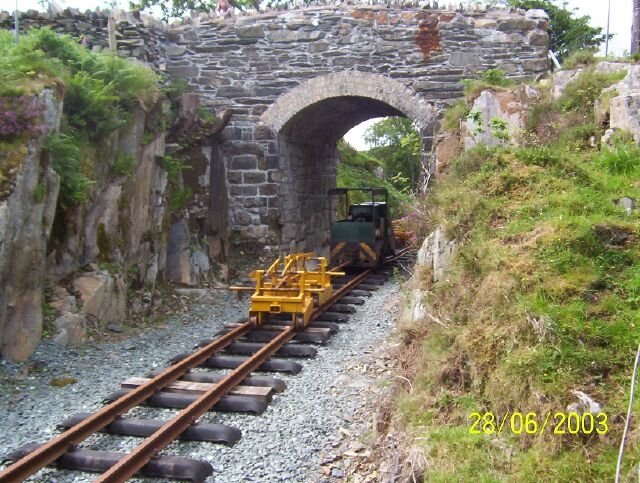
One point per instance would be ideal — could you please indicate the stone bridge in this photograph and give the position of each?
(297, 81)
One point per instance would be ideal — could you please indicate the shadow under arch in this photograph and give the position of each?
(308, 121)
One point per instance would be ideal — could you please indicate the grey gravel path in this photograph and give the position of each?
(283, 444)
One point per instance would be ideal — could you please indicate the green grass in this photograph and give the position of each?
(99, 91)
(542, 298)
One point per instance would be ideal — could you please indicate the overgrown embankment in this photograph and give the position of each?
(541, 300)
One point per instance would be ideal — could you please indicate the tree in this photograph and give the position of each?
(635, 29)
(567, 32)
(396, 144)
(178, 8)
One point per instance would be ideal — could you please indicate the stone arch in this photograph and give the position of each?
(375, 87)
(307, 123)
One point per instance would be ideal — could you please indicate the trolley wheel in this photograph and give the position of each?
(254, 320)
(298, 321)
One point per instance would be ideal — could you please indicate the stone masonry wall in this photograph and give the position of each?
(248, 63)
(137, 36)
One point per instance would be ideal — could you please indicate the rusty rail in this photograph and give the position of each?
(171, 430)
(49, 452)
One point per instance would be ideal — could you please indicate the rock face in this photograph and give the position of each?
(436, 252)
(501, 114)
(26, 218)
(624, 108)
(102, 296)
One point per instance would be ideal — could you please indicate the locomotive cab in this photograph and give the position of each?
(361, 233)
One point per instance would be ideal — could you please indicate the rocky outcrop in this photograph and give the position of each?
(26, 217)
(498, 115)
(435, 253)
(102, 296)
(624, 107)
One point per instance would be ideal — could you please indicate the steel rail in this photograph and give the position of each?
(170, 431)
(130, 464)
(52, 450)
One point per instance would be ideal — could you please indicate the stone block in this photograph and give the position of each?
(234, 177)
(176, 50)
(269, 189)
(272, 161)
(242, 218)
(245, 161)
(250, 31)
(283, 36)
(465, 59)
(256, 202)
(486, 23)
(243, 148)
(178, 262)
(254, 177)
(184, 71)
(241, 190)
(538, 37)
(516, 24)
(232, 91)
(73, 326)
(102, 296)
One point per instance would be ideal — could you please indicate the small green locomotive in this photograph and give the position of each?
(361, 233)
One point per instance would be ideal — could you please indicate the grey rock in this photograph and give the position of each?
(117, 328)
(74, 326)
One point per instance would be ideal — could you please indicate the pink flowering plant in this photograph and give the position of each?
(20, 116)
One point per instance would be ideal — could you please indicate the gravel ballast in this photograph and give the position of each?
(288, 442)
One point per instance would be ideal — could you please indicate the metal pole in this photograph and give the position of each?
(16, 22)
(606, 45)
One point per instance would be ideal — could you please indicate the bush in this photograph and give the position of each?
(496, 77)
(128, 80)
(65, 153)
(123, 165)
(454, 114)
(90, 106)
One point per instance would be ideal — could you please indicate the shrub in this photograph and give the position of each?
(179, 198)
(454, 114)
(539, 156)
(174, 167)
(580, 57)
(65, 153)
(621, 136)
(20, 116)
(496, 77)
(90, 106)
(123, 165)
(127, 79)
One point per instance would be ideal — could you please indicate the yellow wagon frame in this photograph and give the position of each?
(290, 286)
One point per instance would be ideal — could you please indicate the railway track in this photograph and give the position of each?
(242, 349)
